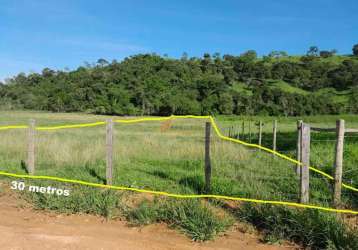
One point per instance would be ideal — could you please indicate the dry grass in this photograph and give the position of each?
(147, 157)
(157, 156)
(165, 125)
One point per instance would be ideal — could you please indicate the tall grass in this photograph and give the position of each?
(310, 228)
(169, 158)
(193, 217)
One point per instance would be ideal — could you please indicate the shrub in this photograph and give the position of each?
(311, 228)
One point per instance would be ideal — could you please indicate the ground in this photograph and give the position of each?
(169, 157)
(22, 227)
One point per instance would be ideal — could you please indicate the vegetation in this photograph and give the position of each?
(149, 84)
(195, 219)
(308, 227)
(171, 160)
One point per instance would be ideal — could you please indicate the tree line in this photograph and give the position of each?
(150, 84)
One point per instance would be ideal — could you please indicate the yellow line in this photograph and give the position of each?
(72, 126)
(143, 119)
(13, 127)
(181, 196)
(217, 131)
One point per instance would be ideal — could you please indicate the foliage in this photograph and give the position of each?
(191, 216)
(82, 200)
(148, 84)
(313, 229)
(172, 161)
(355, 49)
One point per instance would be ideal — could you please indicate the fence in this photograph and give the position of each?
(30, 163)
(234, 132)
(31, 139)
(303, 151)
(303, 155)
(304, 132)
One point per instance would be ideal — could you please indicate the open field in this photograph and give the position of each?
(322, 144)
(172, 159)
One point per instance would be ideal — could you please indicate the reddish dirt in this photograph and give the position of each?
(24, 228)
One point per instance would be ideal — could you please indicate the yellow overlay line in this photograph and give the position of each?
(218, 133)
(181, 196)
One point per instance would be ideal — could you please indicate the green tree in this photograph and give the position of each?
(313, 51)
(355, 49)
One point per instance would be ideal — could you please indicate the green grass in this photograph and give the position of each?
(310, 228)
(241, 87)
(193, 217)
(172, 161)
(336, 59)
(82, 199)
(286, 87)
(336, 96)
(322, 144)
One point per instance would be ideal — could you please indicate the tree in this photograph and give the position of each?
(150, 84)
(249, 55)
(277, 54)
(355, 49)
(353, 107)
(313, 51)
(184, 57)
(334, 51)
(325, 53)
(102, 62)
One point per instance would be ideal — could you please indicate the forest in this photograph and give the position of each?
(319, 82)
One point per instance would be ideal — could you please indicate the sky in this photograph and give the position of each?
(64, 34)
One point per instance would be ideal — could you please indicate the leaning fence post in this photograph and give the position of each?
(274, 131)
(338, 164)
(260, 132)
(305, 159)
(207, 158)
(31, 148)
(109, 152)
(298, 151)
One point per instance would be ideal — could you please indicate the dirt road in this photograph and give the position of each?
(24, 228)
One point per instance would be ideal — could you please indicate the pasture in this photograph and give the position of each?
(169, 156)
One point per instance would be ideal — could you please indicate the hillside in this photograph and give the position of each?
(148, 84)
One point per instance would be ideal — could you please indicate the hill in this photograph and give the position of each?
(148, 84)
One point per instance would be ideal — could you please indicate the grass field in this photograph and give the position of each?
(147, 156)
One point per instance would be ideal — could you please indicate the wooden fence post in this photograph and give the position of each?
(238, 132)
(250, 130)
(260, 133)
(243, 130)
(274, 131)
(305, 159)
(298, 151)
(31, 148)
(338, 164)
(207, 158)
(109, 152)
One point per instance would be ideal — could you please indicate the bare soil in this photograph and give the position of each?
(22, 227)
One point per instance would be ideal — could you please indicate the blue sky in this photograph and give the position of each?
(57, 34)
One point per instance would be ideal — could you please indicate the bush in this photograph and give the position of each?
(81, 200)
(311, 228)
(191, 216)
